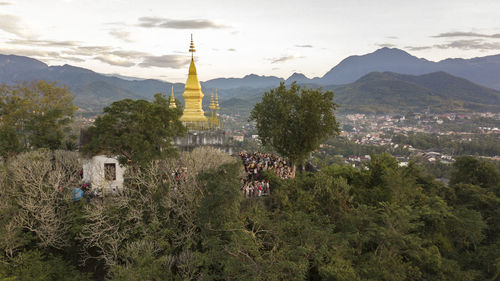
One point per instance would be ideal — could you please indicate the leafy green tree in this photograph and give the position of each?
(34, 115)
(34, 265)
(468, 169)
(136, 130)
(296, 120)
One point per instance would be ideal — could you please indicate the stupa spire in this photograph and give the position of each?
(191, 47)
(172, 99)
(216, 100)
(193, 96)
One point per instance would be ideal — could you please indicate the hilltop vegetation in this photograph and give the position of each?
(377, 222)
(382, 223)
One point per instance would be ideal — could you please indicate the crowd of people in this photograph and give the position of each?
(252, 183)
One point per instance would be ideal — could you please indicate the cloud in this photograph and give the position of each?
(475, 44)
(129, 54)
(5, 3)
(44, 43)
(231, 50)
(304, 46)
(75, 59)
(472, 44)
(88, 51)
(168, 61)
(178, 24)
(116, 61)
(28, 52)
(40, 54)
(284, 59)
(386, 45)
(466, 34)
(13, 24)
(418, 48)
(392, 37)
(122, 35)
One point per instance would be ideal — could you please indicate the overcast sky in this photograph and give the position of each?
(150, 38)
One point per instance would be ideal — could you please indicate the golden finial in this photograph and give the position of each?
(216, 100)
(212, 103)
(191, 46)
(172, 99)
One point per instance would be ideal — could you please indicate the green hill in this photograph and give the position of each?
(391, 92)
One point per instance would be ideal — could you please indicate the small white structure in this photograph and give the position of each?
(104, 173)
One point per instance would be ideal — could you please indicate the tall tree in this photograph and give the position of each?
(34, 115)
(136, 130)
(468, 169)
(296, 120)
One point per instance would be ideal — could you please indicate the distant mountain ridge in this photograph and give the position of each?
(388, 92)
(251, 81)
(93, 90)
(484, 71)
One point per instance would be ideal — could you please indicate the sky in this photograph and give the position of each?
(150, 38)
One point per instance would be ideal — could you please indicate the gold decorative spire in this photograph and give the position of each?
(216, 100)
(193, 96)
(212, 103)
(172, 99)
(191, 47)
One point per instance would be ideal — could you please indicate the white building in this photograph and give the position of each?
(104, 173)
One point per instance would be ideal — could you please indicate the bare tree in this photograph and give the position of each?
(40, 184)
(154, 196)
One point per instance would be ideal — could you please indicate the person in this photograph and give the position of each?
(77, 194)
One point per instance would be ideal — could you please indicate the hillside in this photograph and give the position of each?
(384, 92)
(438, 91)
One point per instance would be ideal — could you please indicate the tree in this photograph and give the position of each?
(468, 169)
(136, 130)
(34, 115)
(296, 120)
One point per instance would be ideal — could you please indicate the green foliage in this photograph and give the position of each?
(34, 115)
(34, 265)
(380, 222)
(296, 120)
(471, 170)
(136, 130)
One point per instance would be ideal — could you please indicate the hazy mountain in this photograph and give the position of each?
(252, 80)
(385, 59)
(484, 71)
(387, 92)
(93, 91)
(297, 77)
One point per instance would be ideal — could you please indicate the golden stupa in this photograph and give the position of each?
(193, 115)
(171, 103)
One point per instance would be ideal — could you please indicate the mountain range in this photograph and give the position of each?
(388, 78)
(484, 71)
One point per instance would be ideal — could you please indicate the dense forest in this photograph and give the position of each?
(381, 222)
(375, 222)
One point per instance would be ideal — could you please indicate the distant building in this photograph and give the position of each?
(239, 138)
